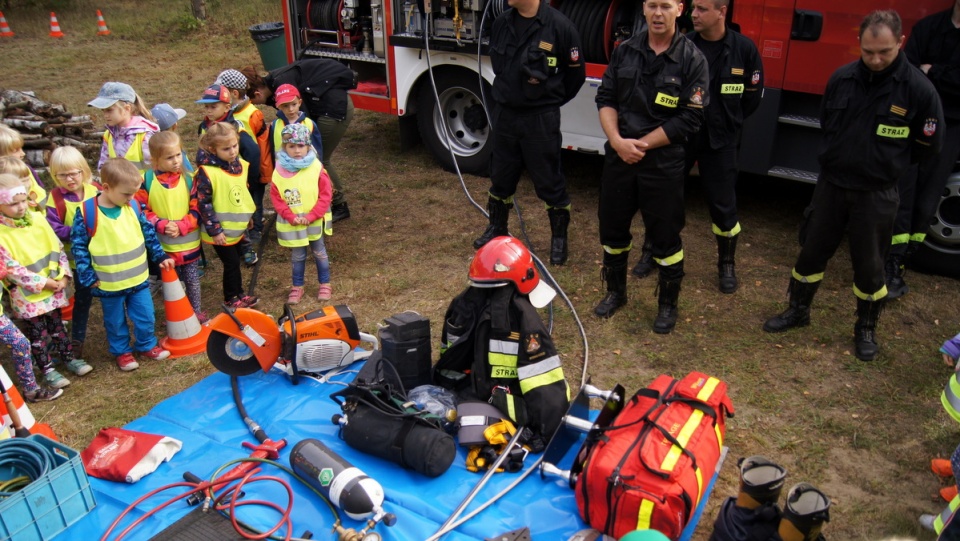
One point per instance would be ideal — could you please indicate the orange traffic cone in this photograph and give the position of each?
(185, 334)
(102, 29)
(55, 26)
(26, 418)
(4, 27)
(66, 313)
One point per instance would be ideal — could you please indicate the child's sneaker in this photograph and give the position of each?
(42, 394)
(248, 301)
(254, 236)
(157, 353)
(296, 293)
(250, 258)
(325, 292)
(202, 317)
(126, 362)
(55, 379)
(79, 367)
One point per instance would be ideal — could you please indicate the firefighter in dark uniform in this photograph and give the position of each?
(651, 102)
(877, 114)
(535, 54)
(934, 47)
(736, 84)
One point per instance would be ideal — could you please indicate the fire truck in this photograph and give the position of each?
(395, 46)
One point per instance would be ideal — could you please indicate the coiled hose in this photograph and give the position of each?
(27, 459)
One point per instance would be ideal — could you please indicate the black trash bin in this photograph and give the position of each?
(270, 44)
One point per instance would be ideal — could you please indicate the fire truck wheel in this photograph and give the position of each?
(459, 111)
(940, 253)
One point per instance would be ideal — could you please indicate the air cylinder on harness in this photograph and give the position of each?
(342, 483)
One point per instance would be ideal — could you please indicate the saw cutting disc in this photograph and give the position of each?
(231, 355)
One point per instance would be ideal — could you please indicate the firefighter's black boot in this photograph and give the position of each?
(761, 482)
(805, 512)
(644, 267)
(865, 337)
(726, 252)
(614, 273)
(894, 269)
(669, 292)
(559, 220)
(499, 215)
(798, 313)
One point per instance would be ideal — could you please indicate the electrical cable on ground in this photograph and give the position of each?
(28, 460)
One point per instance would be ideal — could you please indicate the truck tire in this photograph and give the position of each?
(940, 253)
(462, 115)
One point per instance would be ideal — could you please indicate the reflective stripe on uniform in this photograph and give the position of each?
(540, 374)
(918, 237)
(876, 296)
(191, 237)
(902, 238)
(721, 233)
(616, 251)
(806, 279)
(502, 358)
(670, 259)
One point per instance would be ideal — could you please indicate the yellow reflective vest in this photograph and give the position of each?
(171, 204)
(117, 249)
(37, 248)
(301, 192)
(231, 202)
(134, 153)
(70, 212)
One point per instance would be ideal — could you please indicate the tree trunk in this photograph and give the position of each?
(199, 8)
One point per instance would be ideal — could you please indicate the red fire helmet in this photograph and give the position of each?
(506, 260)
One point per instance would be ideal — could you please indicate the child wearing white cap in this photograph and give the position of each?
(129, 125)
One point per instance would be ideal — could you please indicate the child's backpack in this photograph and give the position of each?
(60, 204)
(90, 215)
(649, 468)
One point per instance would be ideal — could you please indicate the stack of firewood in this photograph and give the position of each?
(46, 126)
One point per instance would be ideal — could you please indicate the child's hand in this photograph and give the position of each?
(171, 230)
(300, 220)
(220, 239)
(167, 264)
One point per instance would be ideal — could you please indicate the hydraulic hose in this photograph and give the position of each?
(25, 457)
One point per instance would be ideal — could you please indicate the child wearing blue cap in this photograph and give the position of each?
(129, 125)
(301, 193)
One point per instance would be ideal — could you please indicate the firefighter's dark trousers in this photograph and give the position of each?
(867, 219)
(653, 186)
(531, 141)
(718, 175)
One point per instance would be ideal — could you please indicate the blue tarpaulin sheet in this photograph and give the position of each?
(205, 419)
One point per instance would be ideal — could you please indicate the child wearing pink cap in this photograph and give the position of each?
(288, 102)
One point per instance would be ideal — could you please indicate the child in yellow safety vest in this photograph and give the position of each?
(36, 195)
(946, 524)
(37, 277)
(225, 205)
(11, 144)
(245, 112)
(129, 125)
(13, 338)
(111, 243)
(72, 174)
(301, 193)
(170, 203)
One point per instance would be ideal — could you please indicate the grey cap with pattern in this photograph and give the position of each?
(232, 79)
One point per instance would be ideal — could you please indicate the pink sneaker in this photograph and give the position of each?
(126, 362)
(325, 292)
(202, 317)
(157, 353)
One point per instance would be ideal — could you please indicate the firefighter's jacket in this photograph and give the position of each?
(495, 347)
(876, 123)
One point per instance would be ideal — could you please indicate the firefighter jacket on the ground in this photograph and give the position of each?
(322, 82)
(540, 69)
(876, 123)
(648, 90)
(935, 40)
(736, 86)
(495, 347)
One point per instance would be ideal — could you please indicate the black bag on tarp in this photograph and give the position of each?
(378, 420)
